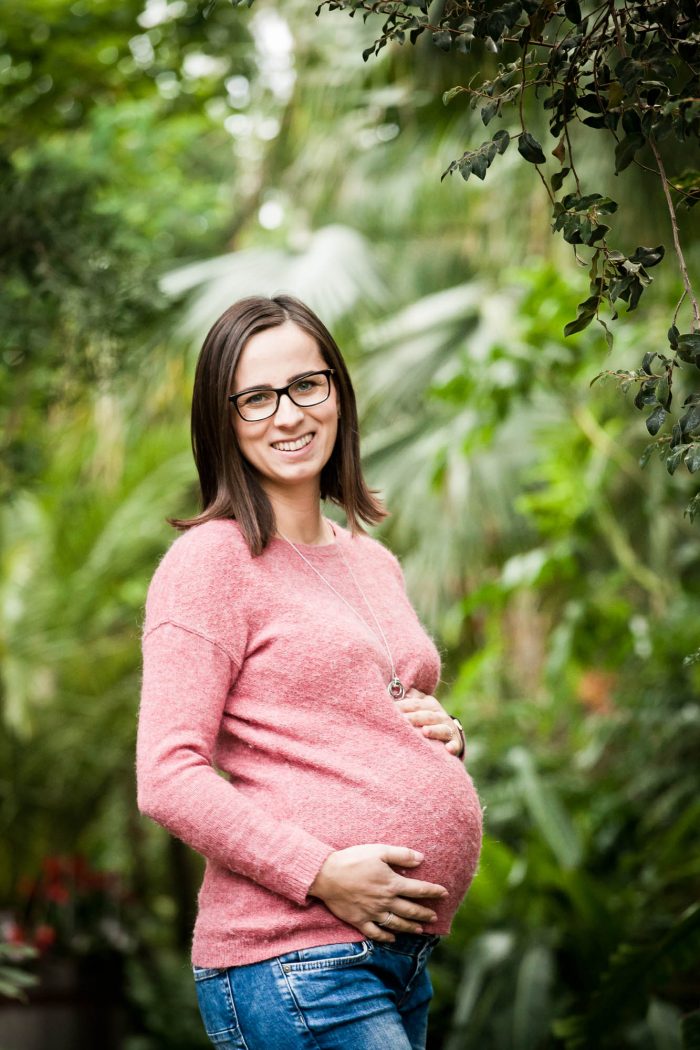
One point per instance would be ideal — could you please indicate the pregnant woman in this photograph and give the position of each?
(287, 728)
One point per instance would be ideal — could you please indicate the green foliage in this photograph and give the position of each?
(99, 299)
(628, 71)
(14, 979)
(633, 970)
(162, 995)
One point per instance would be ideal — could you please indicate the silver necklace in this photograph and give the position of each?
(395, 687)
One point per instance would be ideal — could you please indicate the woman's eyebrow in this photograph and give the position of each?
(269, 386)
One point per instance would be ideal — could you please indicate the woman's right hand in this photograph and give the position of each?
(360, 887)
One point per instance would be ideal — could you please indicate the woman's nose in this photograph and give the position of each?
(287, 412)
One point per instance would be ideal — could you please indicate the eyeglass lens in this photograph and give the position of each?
(259, 404)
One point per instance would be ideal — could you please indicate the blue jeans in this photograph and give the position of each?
(360, 995)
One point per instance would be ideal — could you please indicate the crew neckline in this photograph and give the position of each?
(321, 549)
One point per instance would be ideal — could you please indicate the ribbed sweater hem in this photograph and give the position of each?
(221, 954)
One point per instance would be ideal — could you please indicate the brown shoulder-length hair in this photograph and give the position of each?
(229, 485)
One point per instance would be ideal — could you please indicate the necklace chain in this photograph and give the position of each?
(395, 687)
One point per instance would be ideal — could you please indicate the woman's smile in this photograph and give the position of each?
(293, 445)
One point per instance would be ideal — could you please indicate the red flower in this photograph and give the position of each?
(54, 867)
(57, 893)
(44, 936)
(14, 933)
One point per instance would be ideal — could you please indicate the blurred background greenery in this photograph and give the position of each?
(159, 160)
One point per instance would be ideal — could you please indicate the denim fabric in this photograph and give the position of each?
(359, 995)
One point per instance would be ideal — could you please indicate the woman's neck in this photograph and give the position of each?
(301, 521)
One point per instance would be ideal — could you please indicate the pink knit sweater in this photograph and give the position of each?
(267, 738)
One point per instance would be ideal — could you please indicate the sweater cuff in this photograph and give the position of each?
(309, 860)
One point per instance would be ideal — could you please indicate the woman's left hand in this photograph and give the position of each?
(430, 717)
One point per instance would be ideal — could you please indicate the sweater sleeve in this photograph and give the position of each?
(187, 675)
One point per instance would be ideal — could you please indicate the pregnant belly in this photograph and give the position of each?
(415, 794)
(431, 806)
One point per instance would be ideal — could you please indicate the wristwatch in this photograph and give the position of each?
(462, 737)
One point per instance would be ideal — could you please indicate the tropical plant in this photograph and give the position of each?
(629, 72)
(14, 978)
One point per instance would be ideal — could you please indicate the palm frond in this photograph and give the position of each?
(331, 273)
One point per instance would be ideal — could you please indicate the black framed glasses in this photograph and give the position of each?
(260, 402)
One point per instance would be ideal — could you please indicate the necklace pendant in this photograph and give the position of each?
(395, 689)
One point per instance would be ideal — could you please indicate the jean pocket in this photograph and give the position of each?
(202, 973)
(216, 1007)
(326, 956)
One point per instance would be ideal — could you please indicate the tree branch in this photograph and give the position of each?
(676, 239)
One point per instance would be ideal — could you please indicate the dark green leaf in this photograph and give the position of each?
(656, 419)
(663, 393)
(608, 334)
(581, 322)
(619, 287)
(635, 292)
(443, 40)
(495, 25)
(690, 423)
(479, 165)
(585, 202)
(489, 111)
(530, 149)
(689, 341)
(558, 178)
(606, 206)
(591, 103)
(596, 122)
(631, 123)
(647, 360)
(646, 395)
(648, 256)
(598, 233)
(674, 459)
(572, 11)
(692, 459)
(626, 149)
(502, 140)
(571, 228)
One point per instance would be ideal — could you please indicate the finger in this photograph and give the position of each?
(414, 698)
(412, 912)
(412, 888)
(454, 746)
(440, 731)
(377, 933)
(410, 703)
(400, 856)
(398, 925)
(425, 718)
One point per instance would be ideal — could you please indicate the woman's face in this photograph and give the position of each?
(274, 358)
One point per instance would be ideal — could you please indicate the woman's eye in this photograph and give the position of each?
(304, 385)
(259, 397)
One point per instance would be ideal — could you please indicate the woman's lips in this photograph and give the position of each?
(297, 451)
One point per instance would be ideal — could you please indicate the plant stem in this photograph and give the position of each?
(676, 239)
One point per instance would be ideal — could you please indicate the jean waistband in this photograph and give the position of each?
(412, 943)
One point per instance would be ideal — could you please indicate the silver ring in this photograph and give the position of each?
(389, 915)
